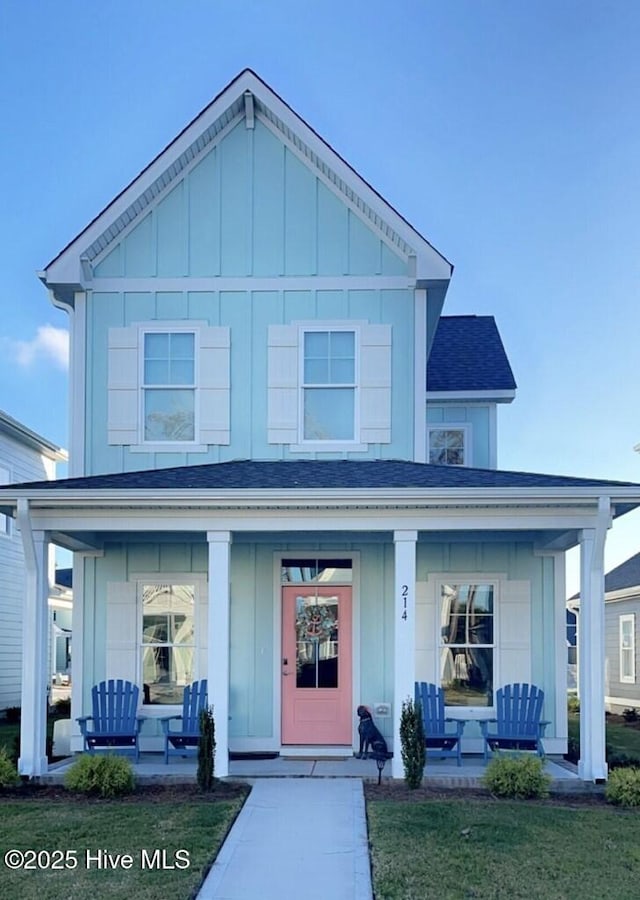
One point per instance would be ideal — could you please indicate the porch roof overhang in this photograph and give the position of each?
(319, 496)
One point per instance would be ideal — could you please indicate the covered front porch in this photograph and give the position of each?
(439, 773)
(407, 529)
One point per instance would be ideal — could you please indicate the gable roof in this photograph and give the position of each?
(19, 432)
(626, 575)
(467, 354)
(247, 95)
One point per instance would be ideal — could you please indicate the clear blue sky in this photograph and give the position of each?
(507, 132)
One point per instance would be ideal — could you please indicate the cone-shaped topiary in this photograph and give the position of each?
(412, 743)
(206, 750)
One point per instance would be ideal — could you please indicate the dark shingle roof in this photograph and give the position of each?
(318, 474)
(468, 355)
(626, 575)
(64, 577)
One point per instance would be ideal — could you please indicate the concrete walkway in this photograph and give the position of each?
(295, 837)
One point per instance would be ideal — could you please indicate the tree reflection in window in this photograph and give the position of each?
(316, 625)
(167, 641)
(467, 644)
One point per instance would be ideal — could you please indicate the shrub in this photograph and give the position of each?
(206, 750)
(13, 714)
(104, 775)
(630, 714)
(517, 776)
(623, 787)
(412, 743)
(62, 707)
(8, 774)
(573, 703)
(622, 761)
(573, 749)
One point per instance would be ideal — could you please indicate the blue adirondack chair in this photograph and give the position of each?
(442, 734)
(115, 723)
(518, 724)
(183, 741)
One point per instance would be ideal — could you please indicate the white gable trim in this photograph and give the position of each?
(228, 107)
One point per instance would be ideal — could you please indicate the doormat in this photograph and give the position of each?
(237, 756)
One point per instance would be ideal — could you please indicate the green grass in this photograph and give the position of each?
(499, 849)
(195, 824)
(621, 738)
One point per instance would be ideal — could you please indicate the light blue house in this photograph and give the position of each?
(284, 461)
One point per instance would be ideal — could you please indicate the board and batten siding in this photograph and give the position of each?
(249, 207)
(246, 317)
(478, 419)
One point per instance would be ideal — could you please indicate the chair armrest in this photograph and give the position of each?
(542, 726)
(165, 720)
(484, 724)
(460, 723)
(84, 719)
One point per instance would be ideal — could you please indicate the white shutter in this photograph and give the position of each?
(513, 641)
(214, 385)
(122, 361)
(375, 384)
(426, 632)
(122, 632)
(282, 385)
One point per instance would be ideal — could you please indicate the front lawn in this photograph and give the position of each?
(463, 848)
(149, 828)
(622, 738)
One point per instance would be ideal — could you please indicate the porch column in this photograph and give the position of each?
(218, 643)
(592, 765)
(35, 619)
(404, 634)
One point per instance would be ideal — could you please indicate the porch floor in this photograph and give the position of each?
(438, 773)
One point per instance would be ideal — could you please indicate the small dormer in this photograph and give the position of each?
(468, 374)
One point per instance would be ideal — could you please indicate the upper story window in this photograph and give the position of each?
(329, 386)
(467, 646)
(169, 386)
(448, 446)
(628, 649)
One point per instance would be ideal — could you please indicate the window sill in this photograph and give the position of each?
(168, 448)
(329, 447)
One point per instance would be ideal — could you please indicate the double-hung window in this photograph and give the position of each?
(169, 386)
(329, 386)
(448, 446)
(168, 641)
(467, 646)
(628, 649)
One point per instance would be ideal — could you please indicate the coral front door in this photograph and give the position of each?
(316, 665)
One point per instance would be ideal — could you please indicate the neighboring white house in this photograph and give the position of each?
(24, 455)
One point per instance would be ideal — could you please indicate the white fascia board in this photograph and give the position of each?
(628, 593)
(511, 496)
(502, 396)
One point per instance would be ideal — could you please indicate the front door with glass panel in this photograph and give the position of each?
(316, 664)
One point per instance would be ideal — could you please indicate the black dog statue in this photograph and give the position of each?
(372, 744)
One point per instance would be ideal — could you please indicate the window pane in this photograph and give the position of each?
(316, 627)
(316, 371)
(156, 346)
(316, 345)
(342, 344)
(467, 653)
(446, 446)
(182, 344)
(342, 371)
(328, 414)
(181, 372)
(156, 371)
(467, 676)
(323, 571)
(167, 641)
(169, 415)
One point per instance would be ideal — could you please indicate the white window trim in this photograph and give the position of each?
(629, 617)
(144, 446)
(465, 427)
(470, 712)
(354, 443)
(199, 584)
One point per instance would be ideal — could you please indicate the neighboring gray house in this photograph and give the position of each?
(23, 455)
(621, 623)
